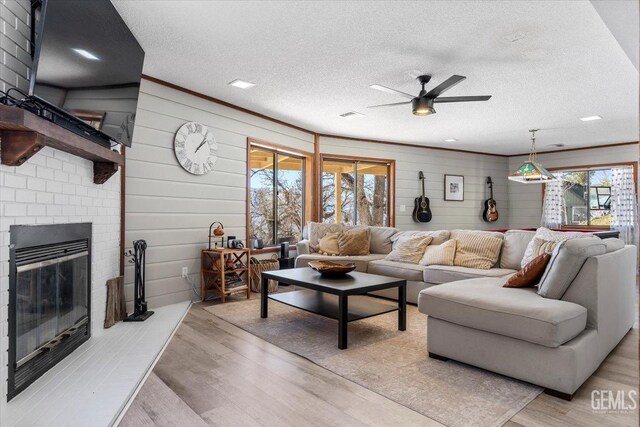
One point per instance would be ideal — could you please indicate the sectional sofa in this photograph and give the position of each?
(556, 343)
(418, 277)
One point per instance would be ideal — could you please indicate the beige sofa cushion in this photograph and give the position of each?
(613, 244)
(514, 246)
(476, 250)
(409, 249)
(437, 274)
(361, 262)
(496, 234)
(544, 233)
(439, 236)
(517, 313)
(401, 270)
(439, 254)
(381, 239)
(566, 261)
(318, 230)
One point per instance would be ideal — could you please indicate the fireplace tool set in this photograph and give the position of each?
(140, 312)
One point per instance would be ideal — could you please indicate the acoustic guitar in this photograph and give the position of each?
(490, 212)
(421, 209)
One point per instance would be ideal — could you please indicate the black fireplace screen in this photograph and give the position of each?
(49, 304)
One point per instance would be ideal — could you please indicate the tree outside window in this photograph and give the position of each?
(355, 192)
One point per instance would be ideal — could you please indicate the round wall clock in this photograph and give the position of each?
(196, 148)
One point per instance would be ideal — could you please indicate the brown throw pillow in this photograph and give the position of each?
(328, 245)
(354, 242)
(530, 274)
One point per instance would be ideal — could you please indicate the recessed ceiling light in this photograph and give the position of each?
(590, 118)
(241, 84)
(351, 115)
(450, 140)
(85, 54)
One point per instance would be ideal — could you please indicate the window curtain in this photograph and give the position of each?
(624, 205)
(553, 206)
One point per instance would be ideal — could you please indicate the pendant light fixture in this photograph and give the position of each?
(531, 172)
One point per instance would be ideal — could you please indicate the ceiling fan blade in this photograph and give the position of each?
(445, 85)
(389, 90)
(462, 98)
(389, 105)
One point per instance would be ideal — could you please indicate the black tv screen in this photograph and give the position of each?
(88, 63)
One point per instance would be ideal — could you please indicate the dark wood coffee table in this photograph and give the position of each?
(342, 298)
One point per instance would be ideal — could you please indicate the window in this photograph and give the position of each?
(356, 191)
(277, 194)
(587, 195)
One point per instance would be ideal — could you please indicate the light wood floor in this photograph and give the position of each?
(213, 373)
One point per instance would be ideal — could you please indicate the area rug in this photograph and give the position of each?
(389, 362)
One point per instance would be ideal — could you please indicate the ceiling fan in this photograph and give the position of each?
(422, 104)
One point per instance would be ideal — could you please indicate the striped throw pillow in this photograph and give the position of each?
(476, 250)
(442, 254)
(409, 249)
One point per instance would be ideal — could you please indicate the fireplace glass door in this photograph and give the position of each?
(51, 299)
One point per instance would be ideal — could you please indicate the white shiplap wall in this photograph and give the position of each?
(435, 164)
(172, 209)
(525, 201)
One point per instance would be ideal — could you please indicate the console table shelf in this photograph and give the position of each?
(23, 134)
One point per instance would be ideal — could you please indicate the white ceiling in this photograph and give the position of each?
(312, 61)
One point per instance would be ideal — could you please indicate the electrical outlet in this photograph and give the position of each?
(185, 271)
(403, 208)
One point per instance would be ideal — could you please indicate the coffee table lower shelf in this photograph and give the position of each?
(324, 304)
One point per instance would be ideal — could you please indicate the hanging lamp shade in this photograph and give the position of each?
(531, 172)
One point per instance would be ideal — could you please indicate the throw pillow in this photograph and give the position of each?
(439, 236)
(567, 260)
(409, 249)
(328, 245)
(442, 254)
(530, 274)
(318, 230)
(476, 250)
(549, 235)
(354, 242)
(541, 246)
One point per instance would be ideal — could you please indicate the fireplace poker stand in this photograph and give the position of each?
(140, 313)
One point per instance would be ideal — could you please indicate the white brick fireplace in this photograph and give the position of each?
(56, 187)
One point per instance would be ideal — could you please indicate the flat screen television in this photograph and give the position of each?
(89, 64)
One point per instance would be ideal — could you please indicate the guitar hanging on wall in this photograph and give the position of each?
(421, 210)
(490, 212)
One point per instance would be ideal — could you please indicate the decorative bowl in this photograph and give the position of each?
(332, 269)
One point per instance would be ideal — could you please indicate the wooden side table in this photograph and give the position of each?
(216, 276)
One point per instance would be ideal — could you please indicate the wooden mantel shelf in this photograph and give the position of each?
(23, 134)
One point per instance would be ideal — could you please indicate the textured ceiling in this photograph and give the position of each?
(544, 63)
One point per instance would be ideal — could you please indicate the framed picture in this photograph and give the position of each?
(454, 188)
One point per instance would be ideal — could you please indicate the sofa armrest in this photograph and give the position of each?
(302, 247)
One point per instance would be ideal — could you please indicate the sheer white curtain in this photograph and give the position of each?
(553, 206)
(624, 204)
